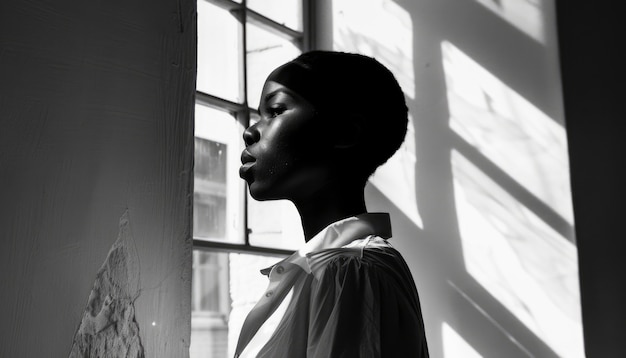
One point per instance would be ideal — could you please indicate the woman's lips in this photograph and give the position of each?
(244, 170)
(248, 162)
(246, 157)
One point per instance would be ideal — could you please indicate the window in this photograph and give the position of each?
(239, 44)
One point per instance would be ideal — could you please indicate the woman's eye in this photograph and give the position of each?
(275, 111)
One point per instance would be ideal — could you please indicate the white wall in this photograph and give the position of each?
(96, 102)
(479, 194)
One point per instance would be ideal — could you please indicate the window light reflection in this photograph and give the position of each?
(518, 258)
(454, 346)
(510, 131)
(525, 15)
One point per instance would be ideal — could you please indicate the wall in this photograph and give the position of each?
(593, 75)
(479, 194)
(96, 121)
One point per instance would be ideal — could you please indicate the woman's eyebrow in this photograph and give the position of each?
(271, 95)
(274, 93)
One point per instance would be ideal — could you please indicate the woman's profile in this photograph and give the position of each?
(328, 120)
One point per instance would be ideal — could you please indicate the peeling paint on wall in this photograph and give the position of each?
(108, 327)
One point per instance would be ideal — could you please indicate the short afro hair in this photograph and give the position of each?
(359, 87)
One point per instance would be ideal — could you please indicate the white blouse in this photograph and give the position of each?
(350, 295)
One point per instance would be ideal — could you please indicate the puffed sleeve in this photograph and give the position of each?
(365, 305)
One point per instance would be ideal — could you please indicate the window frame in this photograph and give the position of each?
(242, 112)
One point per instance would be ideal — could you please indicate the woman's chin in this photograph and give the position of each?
(259, 192)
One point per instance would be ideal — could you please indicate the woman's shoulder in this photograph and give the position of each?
(369, 253)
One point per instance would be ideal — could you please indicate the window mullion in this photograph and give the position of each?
(275, 28)
(239, 248)
(218, 102)
(225, 4)
(245, 114)
(308, 26)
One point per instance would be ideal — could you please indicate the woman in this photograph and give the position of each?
(328, 120)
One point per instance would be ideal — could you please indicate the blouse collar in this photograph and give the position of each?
(339, 234)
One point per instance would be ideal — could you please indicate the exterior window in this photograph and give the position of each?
(239, 44)
(209, 199)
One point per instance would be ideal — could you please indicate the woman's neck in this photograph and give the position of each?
(337, 201)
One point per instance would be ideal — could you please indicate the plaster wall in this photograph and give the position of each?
(480, 203)
(96, 126)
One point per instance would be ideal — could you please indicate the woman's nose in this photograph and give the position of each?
(251, 135)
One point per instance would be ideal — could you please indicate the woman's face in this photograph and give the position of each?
(286, 154)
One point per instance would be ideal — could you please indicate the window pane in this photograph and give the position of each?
(219, 57)
(209, 269)
(217, 186)
(225, 287)
(266, 51)
(285, 12)
(274, 224)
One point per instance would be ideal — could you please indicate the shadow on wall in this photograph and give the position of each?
(479, 193)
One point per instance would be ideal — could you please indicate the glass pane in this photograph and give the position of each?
(266, 51)
(209, 269)
(285, 12)
(274, 224)
(225, 287)
(217, 187)
(219, 59)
